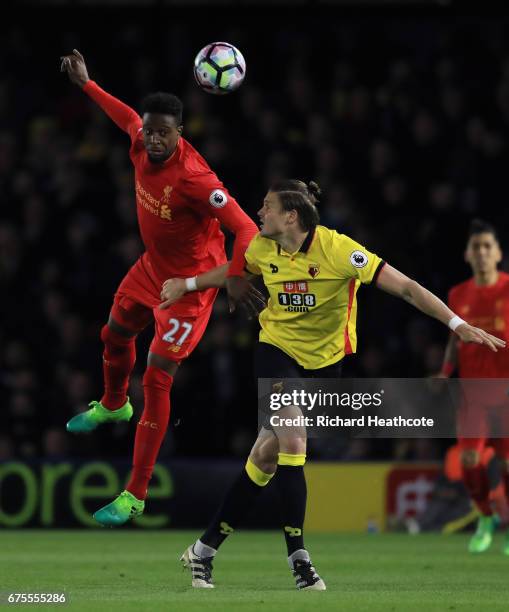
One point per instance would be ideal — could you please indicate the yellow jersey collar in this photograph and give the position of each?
(304, 247)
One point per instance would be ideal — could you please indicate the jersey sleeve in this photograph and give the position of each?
(124, 116)
(251, 260)
(208, 196)
(353, 260)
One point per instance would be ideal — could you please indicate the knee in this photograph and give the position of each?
(112, 339)
(155, 377)
(470, 458)
(293, 446)
(265, 460)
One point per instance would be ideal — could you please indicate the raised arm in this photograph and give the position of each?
(124, 116)
(394, 282)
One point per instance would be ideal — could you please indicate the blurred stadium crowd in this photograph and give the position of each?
(403, 123)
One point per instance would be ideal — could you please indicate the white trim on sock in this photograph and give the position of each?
(202, 550)
(301, 555)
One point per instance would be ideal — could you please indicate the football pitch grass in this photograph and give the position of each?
(133, 570)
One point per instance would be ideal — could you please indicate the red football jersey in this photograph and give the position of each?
(486, 307)
(180, 204)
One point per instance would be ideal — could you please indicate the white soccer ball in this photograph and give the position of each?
(219, 68)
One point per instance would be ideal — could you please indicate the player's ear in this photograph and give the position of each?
(499, 254)
(180, 129)
(293, 217)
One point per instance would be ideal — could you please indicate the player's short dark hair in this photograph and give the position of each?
(311, 189)
(479, 226)
(302, 204)
(163, 104)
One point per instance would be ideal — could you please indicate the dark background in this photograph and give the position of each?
(401, 115)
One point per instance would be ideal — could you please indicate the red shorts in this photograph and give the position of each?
(178, 329)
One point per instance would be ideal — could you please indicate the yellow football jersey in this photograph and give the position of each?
(312, 309)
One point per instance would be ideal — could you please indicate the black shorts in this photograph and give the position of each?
(272, 362)
(274, 365)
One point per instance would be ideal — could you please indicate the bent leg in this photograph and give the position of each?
(127, 319)
(119, 357)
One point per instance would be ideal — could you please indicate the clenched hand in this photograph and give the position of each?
(173, 289)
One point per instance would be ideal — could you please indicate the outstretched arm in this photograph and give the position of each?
(394, 282)
(174, 288)
(124, 116)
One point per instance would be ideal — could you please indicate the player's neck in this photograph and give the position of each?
(485, 279)
(291, 243)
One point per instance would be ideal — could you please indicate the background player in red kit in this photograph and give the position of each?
(180, 204)
(483, 301)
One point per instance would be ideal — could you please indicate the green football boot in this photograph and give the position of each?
(122, 509)
(97, 415)
(483, 536)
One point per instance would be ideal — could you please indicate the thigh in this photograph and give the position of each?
(272, 367)
(130, 314)
(133, 301)
(177, 333)
(272, 362)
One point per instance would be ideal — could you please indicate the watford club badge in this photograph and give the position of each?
(314, 270)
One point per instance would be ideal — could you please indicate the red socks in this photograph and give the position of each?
(478, 485)
(118, 361)
(151, 429)
(119, 357)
